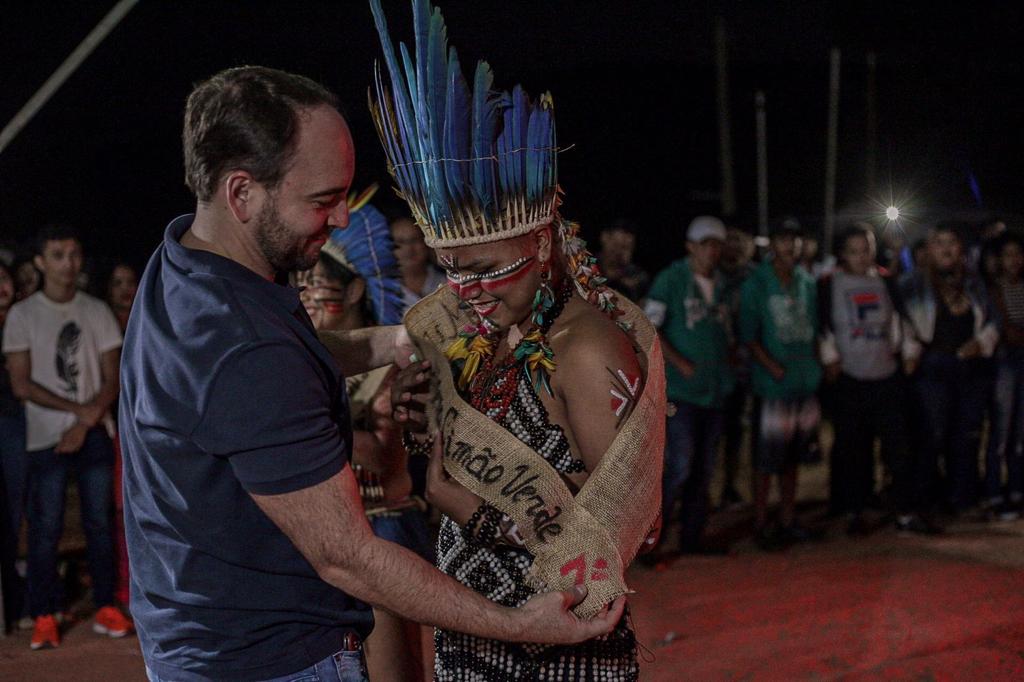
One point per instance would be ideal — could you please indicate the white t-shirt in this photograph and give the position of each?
(65, 342)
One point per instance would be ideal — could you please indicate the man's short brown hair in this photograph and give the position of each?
(245, 118)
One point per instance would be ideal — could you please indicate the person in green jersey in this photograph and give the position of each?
(688, 306)
(778, 324)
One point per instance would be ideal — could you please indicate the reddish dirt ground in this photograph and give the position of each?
(882, 607)
(886, 608)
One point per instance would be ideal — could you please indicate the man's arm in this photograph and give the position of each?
(685, 366)
(327, 524)
(656, 311)
(751, 309)
(19, 366)
(110, 386)
(762, 356)
(362, 350)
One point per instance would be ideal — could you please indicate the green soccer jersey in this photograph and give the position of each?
(698, 330)
(784, 321)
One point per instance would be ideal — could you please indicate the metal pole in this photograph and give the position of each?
(728, 186)
(871, 116)
(830, 151)
(74, 60)
(762, 165)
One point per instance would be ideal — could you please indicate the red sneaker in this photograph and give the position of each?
(111, 622)
(46, 634)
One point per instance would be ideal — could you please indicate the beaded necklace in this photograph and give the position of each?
(493, 387)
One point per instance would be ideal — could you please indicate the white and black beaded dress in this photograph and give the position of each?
(499, 573)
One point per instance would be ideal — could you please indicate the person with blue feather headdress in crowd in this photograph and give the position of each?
(478, 169)
(354, 284)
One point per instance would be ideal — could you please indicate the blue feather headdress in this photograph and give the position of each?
(366, 249)
(474, 166)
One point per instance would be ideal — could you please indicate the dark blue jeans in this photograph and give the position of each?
(1006, 440)
(14, 467)
(93, 465)
(691, 441)
(953, 395)
(344, 666)
(862, 412)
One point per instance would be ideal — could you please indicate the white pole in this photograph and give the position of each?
(728, 187)
(74, 60)
(762, 165)
(872, 122)
(830, 151)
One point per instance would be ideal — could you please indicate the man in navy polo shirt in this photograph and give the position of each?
(251, 556)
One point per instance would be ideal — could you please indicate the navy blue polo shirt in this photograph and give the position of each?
(226, 391)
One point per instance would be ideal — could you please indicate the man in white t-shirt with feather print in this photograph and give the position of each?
(62, 348)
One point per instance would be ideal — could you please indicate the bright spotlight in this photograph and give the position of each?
(892, 213)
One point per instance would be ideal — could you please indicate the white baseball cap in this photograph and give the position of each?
(705, 227)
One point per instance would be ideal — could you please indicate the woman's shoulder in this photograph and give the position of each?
(589, 337)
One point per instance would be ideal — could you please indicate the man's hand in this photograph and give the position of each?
(90, 413)
(910, 365)
(969, 350)
(409, 395)
(776, 370)
(547, 618)
(686, 368)
(405, 350)
(72, 440)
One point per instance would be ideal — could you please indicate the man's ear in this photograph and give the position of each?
(542, 235)
(354, 291)
(37, 260)
(243, 196)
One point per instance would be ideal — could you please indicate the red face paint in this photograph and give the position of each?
(333, 308)
(506, 280)
(465, 291)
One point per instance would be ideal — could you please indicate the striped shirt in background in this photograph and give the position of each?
(1013, 299)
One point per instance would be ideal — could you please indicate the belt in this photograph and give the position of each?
(351, 642)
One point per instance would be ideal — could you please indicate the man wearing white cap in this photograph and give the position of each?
(687, 306)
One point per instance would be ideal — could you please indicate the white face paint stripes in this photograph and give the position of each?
(462, 280)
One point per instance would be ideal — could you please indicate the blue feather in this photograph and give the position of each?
(484, 120)
(452, 150)
(437, 79)
(365, 246)
(456, 130)
(388, 127)
(402, 95)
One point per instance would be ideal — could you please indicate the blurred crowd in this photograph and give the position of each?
(912, 354)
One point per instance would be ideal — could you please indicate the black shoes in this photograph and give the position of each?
(730, 498)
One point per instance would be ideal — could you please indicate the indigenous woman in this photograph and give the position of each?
(541, 350)
(354, 284)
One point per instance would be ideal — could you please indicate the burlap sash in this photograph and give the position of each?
(588, 539)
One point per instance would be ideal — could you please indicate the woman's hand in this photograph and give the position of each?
(444, 492)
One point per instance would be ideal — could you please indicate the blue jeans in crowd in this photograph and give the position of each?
(344, 666)
(1006, 440)
(93, 465)
(14, 467)
(952, 396)
(691, 442)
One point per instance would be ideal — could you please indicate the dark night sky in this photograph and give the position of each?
(633, 84)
